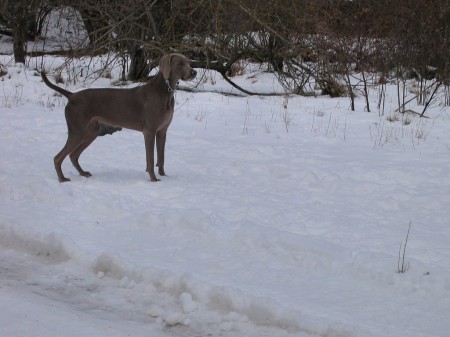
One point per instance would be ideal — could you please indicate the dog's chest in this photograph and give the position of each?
(170, 104)
(166, 113)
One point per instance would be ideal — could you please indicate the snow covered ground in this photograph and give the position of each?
(280, 216)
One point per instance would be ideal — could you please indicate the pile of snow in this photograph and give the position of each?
(280, 216)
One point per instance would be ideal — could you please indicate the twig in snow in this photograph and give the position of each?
(402, 265)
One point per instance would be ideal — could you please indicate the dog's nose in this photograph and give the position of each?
(193, 73)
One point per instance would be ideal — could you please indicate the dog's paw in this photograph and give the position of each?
(86, 174)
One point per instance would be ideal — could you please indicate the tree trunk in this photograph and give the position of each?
(19, 43)
(139, 67)
(20, 16)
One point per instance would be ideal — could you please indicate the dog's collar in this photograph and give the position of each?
(169, 88)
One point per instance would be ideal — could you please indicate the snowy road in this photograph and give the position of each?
(41, 298)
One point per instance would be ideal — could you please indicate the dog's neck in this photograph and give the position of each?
(171, 88)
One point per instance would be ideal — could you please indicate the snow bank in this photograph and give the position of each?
(48, 246)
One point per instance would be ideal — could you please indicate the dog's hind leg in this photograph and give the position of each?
(72, 142)
(91, 133)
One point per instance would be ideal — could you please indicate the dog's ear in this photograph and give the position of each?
(164, 66)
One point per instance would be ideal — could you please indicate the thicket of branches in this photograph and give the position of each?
(323, 40)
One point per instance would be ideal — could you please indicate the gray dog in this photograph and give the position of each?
(148, 108)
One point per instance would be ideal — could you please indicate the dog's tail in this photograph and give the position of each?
(55, 87)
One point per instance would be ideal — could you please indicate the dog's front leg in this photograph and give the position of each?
(160, 146)
(149, 137)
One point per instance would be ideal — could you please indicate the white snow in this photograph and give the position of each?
(280, 216)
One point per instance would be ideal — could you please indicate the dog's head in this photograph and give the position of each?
(176, 66)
